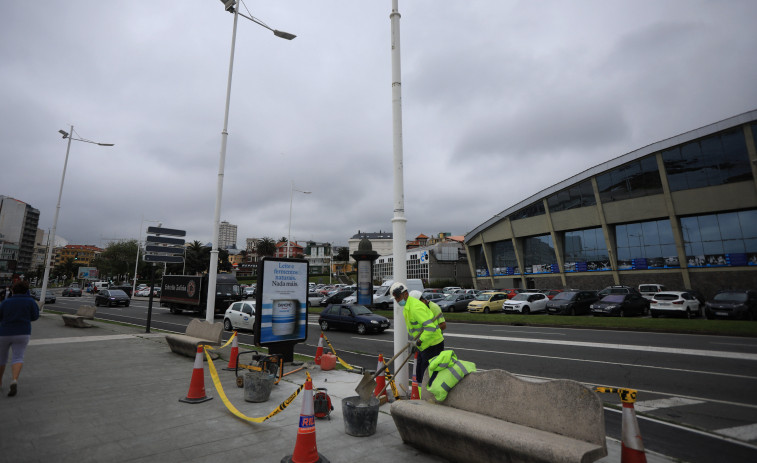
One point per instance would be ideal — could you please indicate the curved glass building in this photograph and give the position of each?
(681, 212)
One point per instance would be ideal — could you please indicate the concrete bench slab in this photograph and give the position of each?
(493, 416)
(85, 312)
(198, 332)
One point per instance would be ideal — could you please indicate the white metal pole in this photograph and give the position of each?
(289, 233)
(51, 236)
(136, 264)
(213, 270)
(399, 221)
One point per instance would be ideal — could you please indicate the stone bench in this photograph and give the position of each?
(85, 312)
(198, 332)
(493, 416)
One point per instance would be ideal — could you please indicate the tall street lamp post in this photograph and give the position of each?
(289, 234)
(229, 5)
(51, 237)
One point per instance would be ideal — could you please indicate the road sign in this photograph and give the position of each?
(166, 231)
(165, 240)
(166, 259)
(170, 250)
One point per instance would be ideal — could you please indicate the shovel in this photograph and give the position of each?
(368, 384)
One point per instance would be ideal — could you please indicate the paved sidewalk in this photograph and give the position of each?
(111, 393)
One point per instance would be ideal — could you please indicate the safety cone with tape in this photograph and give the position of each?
(414, 394)
(381, 378)
(319, 350)
(234, 353)
(305, 449)
(196, 392)
(631, 447)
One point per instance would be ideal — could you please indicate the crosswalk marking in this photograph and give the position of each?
(745, 433)
(649, 405)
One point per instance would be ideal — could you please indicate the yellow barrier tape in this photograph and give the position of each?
(232, 408)
(626, 395)
(344, 364)
(227, 342)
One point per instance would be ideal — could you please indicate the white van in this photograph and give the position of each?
(650, 289)
(99, 285)
(383, 300)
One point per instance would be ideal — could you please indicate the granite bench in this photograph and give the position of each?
(493, 416)
(198, 332)
(85, 312)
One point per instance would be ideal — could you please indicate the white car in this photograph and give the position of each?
(144, 292)
(239, 315)
(526, 303)
(674, 303)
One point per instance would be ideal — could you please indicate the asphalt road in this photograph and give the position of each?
(696, 399)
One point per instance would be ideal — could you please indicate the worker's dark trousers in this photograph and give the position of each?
(424, 357)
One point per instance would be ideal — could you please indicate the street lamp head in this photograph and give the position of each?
(228, 5)
(64, 133)
(105, 144)
(283, 35)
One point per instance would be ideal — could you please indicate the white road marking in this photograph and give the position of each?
(747, 432)
(112, 337)
(649, 405)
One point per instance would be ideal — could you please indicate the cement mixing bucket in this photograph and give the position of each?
(360, 416)
(257, 386)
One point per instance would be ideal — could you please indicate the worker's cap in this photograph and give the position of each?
(397, 289)
(415, 294)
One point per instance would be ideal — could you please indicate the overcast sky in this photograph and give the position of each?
(500, 100)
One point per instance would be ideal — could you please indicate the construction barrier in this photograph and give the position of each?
(631, 446)
(319, 350)
(219, 388)
(196, 392)
(305, 448)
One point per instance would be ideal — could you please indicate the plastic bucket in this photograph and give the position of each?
(328, 362)
(360, 416)
(258, 386)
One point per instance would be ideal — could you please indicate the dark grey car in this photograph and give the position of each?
(110, 297)
(572, 303)
(455, 302)
(733, 303)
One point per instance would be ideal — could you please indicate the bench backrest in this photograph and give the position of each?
(560, 406)
(205, 330)
(87, 311)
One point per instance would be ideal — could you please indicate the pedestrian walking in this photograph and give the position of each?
(17, 313)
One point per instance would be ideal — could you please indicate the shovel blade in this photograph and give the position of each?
(366, 386)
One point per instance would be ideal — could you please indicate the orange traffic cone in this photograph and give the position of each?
(414, 394)
(319, 350)
(305, 449)
(196, 392)
(380, 379)
(631, 447)
(234, 354)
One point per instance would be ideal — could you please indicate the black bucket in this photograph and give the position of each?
(258, 386)
(360, 416)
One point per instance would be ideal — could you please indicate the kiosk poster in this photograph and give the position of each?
(282, 297)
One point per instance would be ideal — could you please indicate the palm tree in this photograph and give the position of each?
(265, 247)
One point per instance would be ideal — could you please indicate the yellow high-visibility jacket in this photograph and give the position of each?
(445, 371)
(420, 319)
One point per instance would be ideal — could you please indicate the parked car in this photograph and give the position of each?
(36, 294)
(678, 303)
(71, 291)
(732, 303)
(336, 298)
(124, 288)
(351, 299)
(455, 302)
(109, 297)
(450, 289)
(526, 303)
(314, 298)
(239, 315)
(250, 292)
(487, 302)
(617, 290)
(649, 290)
(433, 296)
(353, 317)
(512, 292)
(144, 292)
(572, 303)
(551, 293)
(621, 305)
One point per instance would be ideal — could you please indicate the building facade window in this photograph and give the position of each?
(717, 240)
(503, 255)
(646, 245)
(581, 195)
(532, 210)
(539, 254)
(710, 161)
(632, 180)
(585, 251)
(479, 261)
